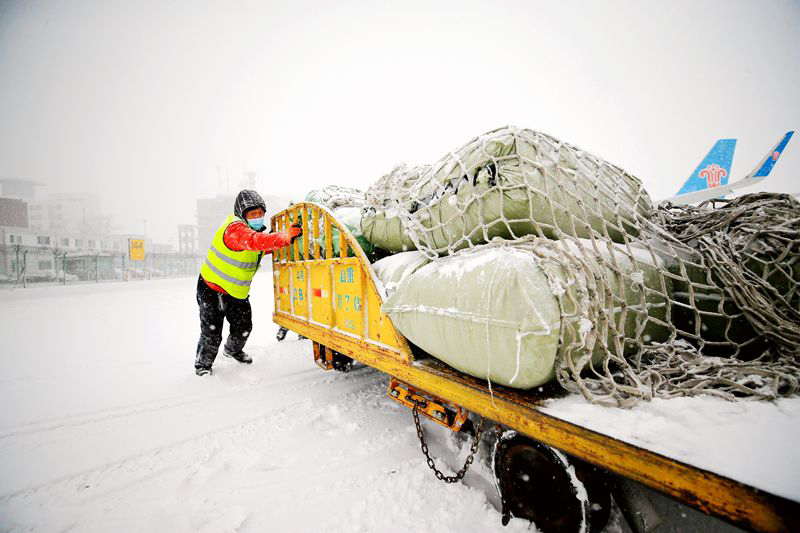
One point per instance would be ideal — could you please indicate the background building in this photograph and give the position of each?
(187, 239)
(17, 188)
(65, 212)
(39, 216)
(13, 213)
(77, 213)
(210, 214)
(66, 237)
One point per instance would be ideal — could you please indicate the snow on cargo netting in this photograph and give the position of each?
(570, 272)
(507, 183)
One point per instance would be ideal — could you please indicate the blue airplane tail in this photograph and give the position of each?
(770, 160)
(714, 170)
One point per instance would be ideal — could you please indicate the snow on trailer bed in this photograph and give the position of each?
(753, 442)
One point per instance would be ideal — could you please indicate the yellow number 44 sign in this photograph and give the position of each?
(136, 249)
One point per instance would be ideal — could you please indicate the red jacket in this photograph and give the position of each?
(238, 236)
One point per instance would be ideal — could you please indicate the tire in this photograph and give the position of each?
(536, 483)
(281, 334)
(342, 363)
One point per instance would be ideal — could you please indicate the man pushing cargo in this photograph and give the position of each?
(224, 283)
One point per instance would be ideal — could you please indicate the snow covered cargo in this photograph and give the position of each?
(510, 312)
(335, 301)
(505, 183)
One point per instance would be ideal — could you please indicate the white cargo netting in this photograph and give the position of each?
(653, 302)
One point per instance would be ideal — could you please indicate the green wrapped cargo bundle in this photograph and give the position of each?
(506, 183)
(351, 218)
(345, 204)
(514, 313)
(382, 220)
(393, 269)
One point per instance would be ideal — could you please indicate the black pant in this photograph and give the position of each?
(214, 308)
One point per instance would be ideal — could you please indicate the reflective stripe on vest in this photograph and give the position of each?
(231, 270)
(226, 277)
(232, 262)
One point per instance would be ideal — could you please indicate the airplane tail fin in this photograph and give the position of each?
(713, 170)
(761, 171)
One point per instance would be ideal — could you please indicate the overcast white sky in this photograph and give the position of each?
(142, 101)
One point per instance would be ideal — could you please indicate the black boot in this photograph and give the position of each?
(239, 356)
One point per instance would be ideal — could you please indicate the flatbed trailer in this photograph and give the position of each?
(329, 293)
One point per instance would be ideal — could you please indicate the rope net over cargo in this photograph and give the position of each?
(334, 197)
(654, 302)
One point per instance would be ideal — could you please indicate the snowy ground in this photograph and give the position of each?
(106, 428)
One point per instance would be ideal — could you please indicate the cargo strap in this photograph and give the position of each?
(432, 465)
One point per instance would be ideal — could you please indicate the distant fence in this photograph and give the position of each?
(23, 265)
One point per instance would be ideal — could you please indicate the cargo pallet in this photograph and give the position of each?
(335, 300)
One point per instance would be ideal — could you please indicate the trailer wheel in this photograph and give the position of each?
(341, 362)
(535, 483)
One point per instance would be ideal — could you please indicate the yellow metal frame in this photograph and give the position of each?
(339, 295)
(367, 335)
(323, 356)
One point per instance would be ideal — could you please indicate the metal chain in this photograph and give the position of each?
(432, 465)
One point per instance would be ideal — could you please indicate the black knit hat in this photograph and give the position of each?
(247, 200)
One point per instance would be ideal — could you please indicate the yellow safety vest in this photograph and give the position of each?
(233, 271)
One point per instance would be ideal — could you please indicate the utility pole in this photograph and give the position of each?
(56, 253)
(16, 263)
(64, 265)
